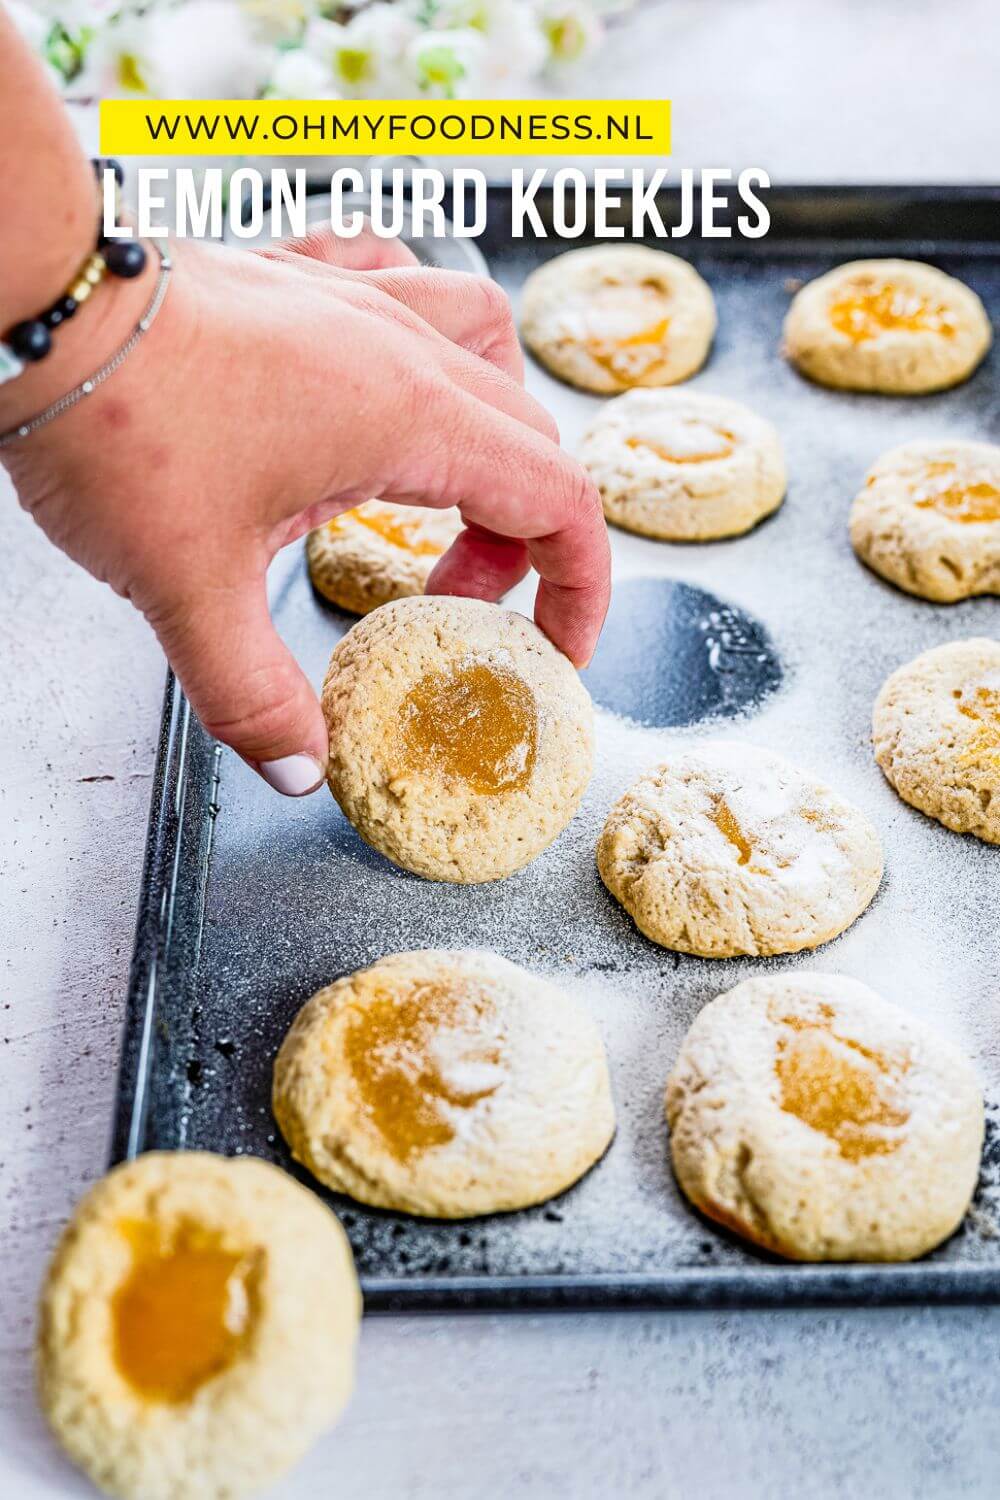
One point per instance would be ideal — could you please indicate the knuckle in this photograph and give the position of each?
(498, 314)
(583, 503)
(421, 389)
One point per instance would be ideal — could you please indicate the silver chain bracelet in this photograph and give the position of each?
(86, 387)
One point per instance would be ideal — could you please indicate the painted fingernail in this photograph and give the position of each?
(292, 775)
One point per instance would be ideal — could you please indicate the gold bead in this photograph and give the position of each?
(79, 290)
(94, 270)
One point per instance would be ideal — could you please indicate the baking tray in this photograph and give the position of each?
(781, 638)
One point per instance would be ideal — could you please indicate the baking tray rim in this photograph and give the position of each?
(765, 1285)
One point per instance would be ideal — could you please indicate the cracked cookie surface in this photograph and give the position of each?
(612, 317)
(377, 552)
(727, 849)
(895, 326)
(928, 519)
(815, 1119)
(197, 1327)
(936, 733)
(683, 466)
(460, 738)
(448, 1083)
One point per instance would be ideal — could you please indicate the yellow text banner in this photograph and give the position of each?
(369, 127)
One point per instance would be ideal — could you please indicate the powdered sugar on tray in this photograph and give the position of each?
(295, 898)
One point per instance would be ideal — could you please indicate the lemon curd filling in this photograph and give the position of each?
(616, 355)
(846, 1091)
(971, 504)
(980, 702)
(864, 313)
(420, 1058)
(398, 530)
(634, 352)
(708, 443)
(477, 724)
(181, 1314)
(726, 823)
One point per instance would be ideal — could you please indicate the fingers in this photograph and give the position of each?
(487, 383)
(244, 685)
(480, 565)
(469, 310)
(366, 252)
(470, 315)
(514, 483)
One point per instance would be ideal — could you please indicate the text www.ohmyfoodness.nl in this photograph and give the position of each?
(367, 129)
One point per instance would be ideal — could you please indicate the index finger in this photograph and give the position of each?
(517, 483)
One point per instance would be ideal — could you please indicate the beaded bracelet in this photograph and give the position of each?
(87, 387)
(31, 340)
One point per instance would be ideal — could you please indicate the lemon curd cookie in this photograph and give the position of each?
(460, 738)
(821, 1122)
(197, 1327)
(928, 519)
(727, 849)
(896, 326)
(612, 317)
(936, 730)
(377, 552)
(682, 466)
(444, 1083)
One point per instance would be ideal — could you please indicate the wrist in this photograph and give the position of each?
(47, 235)
(79, 346)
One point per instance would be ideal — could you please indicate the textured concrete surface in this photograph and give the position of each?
(719, 1407)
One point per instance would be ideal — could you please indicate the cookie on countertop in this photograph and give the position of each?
(822, 1123)
(444, 1083)
(197, 1327)
(727, 849)
(611, 317)
(378, 552)
(460, 737)
(928, 519)
(895, 326)
(683, 466)
(936, 731)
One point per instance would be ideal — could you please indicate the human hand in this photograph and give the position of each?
(274, 390)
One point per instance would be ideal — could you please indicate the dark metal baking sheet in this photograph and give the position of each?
(249, 903)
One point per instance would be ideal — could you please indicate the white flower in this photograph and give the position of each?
(299, 75)
(365, 56)
(203, 49)
(279, 20)
(517, 48)
(573, 30)
(448, 64)
(77, 14)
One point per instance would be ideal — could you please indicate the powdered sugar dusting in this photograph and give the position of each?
(295, 899)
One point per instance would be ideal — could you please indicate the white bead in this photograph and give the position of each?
(23, 431)
(87, 387)
(11, 365)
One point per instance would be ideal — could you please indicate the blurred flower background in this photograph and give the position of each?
(306, 49)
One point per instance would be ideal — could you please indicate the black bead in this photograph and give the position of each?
(101, 165)
(125, 258)
(30, 340)
(52, 318)
(67, 306)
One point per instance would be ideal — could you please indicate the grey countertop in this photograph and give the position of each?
(896, 1403)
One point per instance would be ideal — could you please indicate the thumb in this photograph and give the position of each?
(244, 684)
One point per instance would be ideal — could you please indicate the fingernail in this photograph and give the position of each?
(292, 775)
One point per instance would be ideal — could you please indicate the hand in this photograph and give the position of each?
(273, 391)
